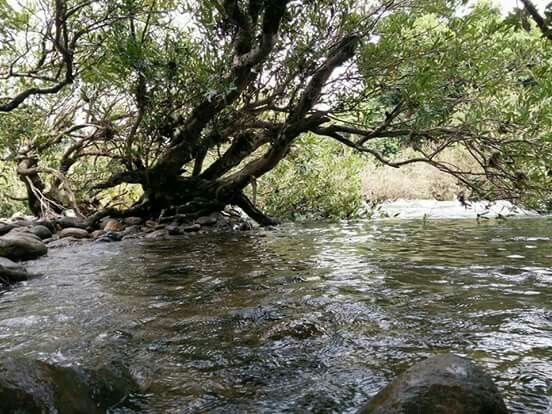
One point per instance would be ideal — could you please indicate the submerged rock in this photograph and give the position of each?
(65, 242)
(157, 234)
(299, 329)
(444, 384)
(109, 237)
(28, 386)
(21, 246)
(11, 272)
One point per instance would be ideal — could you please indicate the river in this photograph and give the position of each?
(303, 318)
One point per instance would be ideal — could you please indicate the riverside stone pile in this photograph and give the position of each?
(28, 238)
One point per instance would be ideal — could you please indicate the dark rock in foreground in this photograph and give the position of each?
(38, 387)
(11, 272)
(21, 246)
(444, 384)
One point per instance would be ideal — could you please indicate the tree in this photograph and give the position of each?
(195, 102)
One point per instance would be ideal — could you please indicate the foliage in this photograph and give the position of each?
(476, 79)
(318, 179)
(194, 101)
(11, 191)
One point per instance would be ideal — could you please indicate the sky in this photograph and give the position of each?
(507, 5)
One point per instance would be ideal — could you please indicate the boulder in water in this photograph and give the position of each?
(21, 246)
(28, 386)
(11, 272)
(444, 384)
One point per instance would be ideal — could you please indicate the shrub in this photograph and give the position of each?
(319, 179)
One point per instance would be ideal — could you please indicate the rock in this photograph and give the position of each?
(41, 231)
(191, 228)
(11, 272)
(6, 228)
(96, 234)
(65, 242)
(444, 384)
(207, 220)
(173, 230)
(245, 226)
(157, 234)
(26, 231)
(133, 229)
(28, 386)
(75, 232)
(50, 225)
(21, 222)
(151, 223)
(21, 246)
(159, 226)
(113, 225)
(133, 221)
(109, 237)
(71, 222)
(300, 329)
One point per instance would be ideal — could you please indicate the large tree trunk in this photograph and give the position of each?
(188, 198)
(40, 203)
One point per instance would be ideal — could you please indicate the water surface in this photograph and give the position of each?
(305, 318)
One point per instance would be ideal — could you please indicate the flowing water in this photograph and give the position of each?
(304, 318)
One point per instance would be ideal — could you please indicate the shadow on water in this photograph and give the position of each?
(310, 318)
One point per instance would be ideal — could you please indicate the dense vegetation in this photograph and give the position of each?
(186, 107)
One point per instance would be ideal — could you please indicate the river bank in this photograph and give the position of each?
(27, 238)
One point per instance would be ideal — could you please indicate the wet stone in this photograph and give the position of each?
(20, 246)
(444, 384)
(28, 386)
(11, 272)
(191, 228)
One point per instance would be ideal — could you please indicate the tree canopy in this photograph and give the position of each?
(194, 101)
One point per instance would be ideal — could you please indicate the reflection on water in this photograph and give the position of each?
(304, 318)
